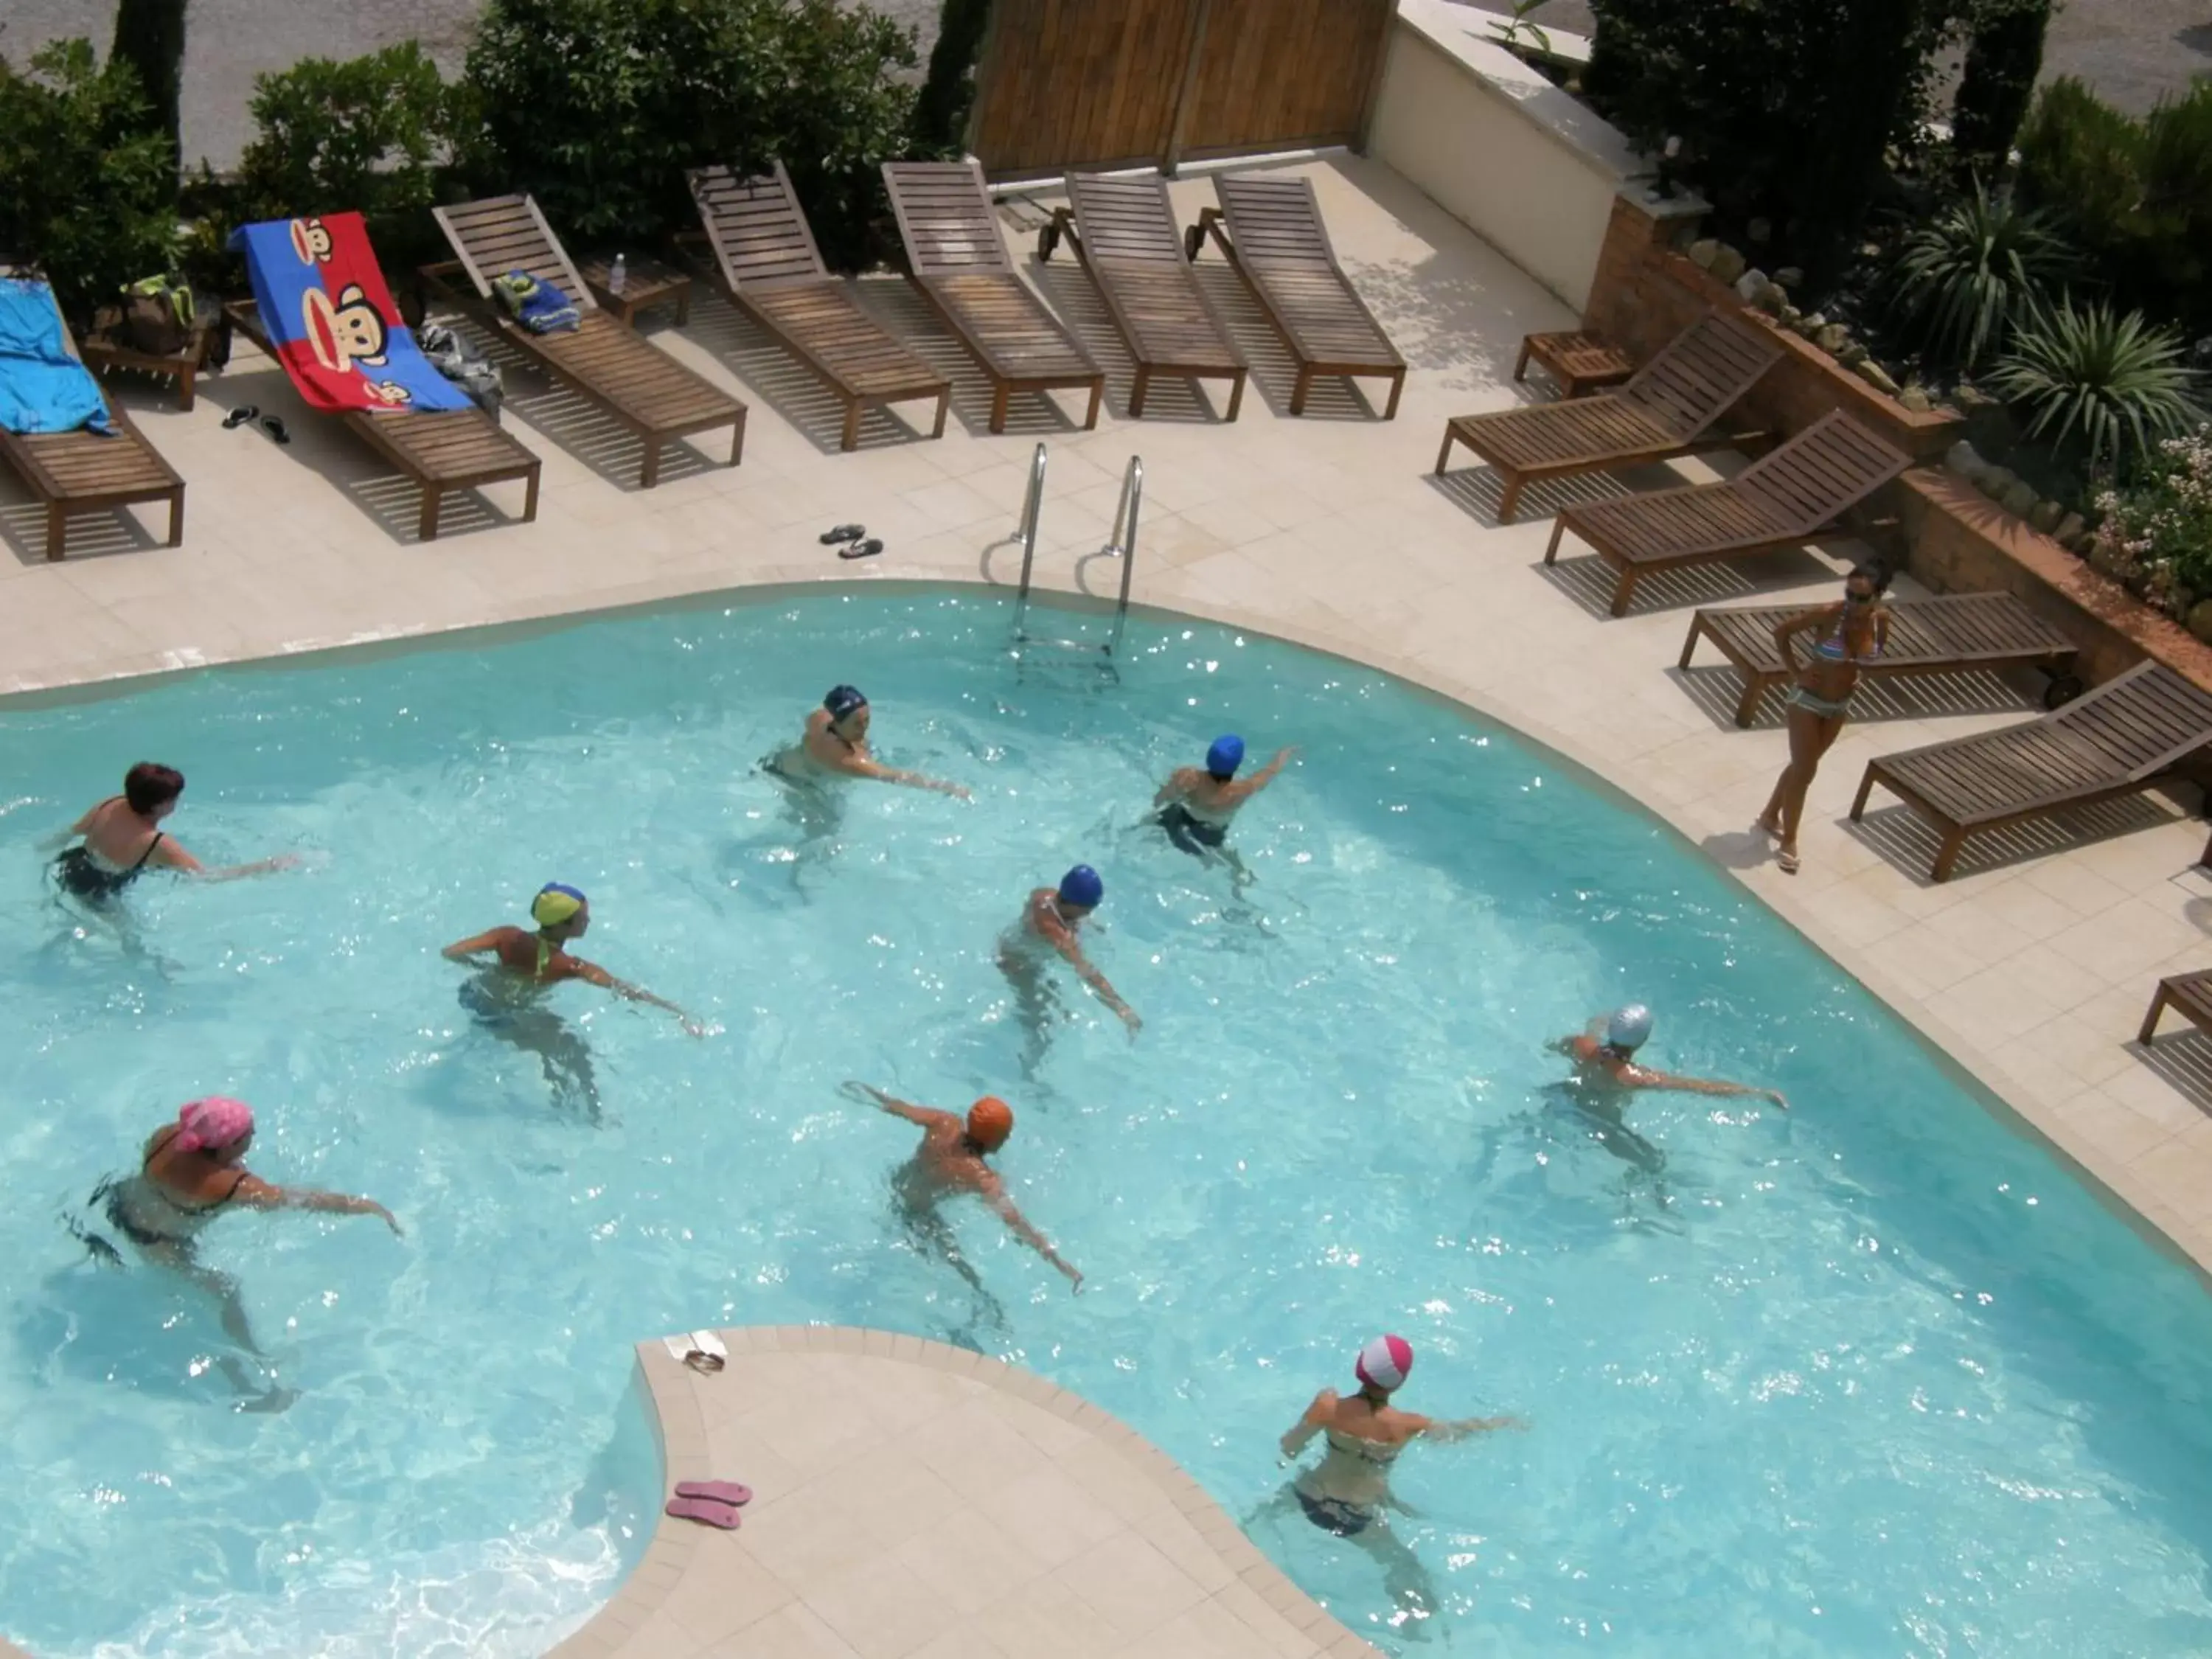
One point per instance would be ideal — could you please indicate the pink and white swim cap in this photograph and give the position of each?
(1383, 1363)
(217, 1120)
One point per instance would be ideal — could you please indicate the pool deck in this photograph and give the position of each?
(2031, 968)
(916, 1501)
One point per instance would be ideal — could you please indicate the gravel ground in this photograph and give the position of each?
(2131, 50)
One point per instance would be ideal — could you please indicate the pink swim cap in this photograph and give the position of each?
(217, 1120)
(1383, 1363)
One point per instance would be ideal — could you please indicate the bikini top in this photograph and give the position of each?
(1377, 1452)
(192, 1213)
(1834, 648)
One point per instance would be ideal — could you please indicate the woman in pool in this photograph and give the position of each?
(1846, 636)
(1348, 1491)
(836, 745)
(190, 1173)
(123, 836)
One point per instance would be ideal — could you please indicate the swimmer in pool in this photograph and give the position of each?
(191, 1172)
(836, 745)
(1049, 924)
(1196, 804)
(506, 997)
(1348, 1491)
(122, 838)
(950, 1162)
(1605, 1056)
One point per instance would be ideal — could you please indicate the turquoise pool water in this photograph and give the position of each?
(1873, 1378)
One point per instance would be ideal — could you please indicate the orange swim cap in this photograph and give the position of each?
(990, 1121)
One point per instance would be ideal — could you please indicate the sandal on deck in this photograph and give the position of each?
(1787, 861)
(843, 532)
(735, 1493)
(274, 426)
(866, 549)
(239, 416)
(705, 1512)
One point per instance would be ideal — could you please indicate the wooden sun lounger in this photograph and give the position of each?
(770, 269)
(442, 450)
(1123, 230)
(1787, 497)
(635, 382)
(2119, 739)
(957, 260)
(2186, 993)
(1276, 240)
(1926, 637)
(1663, 411)
(76, 473)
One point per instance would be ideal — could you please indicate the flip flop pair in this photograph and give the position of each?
(846, 538)
(710, 1503)
(245, 414)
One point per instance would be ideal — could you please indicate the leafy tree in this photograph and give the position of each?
(88, 191)
(940, 115)
(149, 36)
(2004, 54)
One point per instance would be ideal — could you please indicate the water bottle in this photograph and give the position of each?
(618, 276)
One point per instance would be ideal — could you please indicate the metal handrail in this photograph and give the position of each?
(1124, 546)
(1121, 544)
(1025, 533)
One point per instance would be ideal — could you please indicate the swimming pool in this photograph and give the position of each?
(1874, 1377)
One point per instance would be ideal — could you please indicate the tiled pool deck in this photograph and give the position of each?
(916, 1501)
(2032, 967)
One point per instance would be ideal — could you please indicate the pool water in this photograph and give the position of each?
(1871, 1377)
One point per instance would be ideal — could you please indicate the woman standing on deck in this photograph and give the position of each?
(1845, 636)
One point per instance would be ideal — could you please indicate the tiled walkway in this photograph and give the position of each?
(2032, 966)
(915, 1501)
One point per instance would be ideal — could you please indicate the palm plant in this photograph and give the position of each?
(2089, 379)
(1966, 278)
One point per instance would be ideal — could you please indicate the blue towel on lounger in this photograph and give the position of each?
(537, 305)
(42, 388)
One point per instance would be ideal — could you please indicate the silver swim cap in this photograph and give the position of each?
(1628, 1027)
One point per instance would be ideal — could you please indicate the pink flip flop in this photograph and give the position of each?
(732, 1493)
(705, 1512)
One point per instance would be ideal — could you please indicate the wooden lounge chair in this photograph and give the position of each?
(1785, 498)
(956, 259)
(635, 382)
(2119, 739)
(442, 450)
(770, 270)
(1277, 242)
(1124, 231)
(1926, 637)
(2187, 994)
(1663, 411)
(76, 473)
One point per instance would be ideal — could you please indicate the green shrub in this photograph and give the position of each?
(1785, 111)
(1965, 277)
(2163, 522)
(2004, 54)
(2097, 383)
(2136, 196)
(596, 106)
(88, 192)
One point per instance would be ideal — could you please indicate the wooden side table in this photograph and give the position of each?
(100, 351)
(1580, 362)
(645, 282)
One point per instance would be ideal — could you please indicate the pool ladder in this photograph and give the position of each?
(1121, 545)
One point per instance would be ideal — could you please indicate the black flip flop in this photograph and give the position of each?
(843, 532)
(239, 416)
(866, 549)
(274, 426)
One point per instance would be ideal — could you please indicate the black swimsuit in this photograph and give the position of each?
(1188, 832)
(86, 878)
(193, 1215)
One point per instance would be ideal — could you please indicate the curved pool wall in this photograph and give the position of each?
(1936, 1182)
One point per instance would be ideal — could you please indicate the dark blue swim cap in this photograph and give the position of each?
(1081, 886)
(1224, 757)
(842, 701)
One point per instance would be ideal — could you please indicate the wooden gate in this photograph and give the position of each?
(1103, 83)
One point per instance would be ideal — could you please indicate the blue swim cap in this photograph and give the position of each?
(842, 701)
(1224, 757)
(1082, 887)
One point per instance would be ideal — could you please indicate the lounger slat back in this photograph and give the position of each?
(1788, 496)
(78, 473)
(442, 450)
(768, 265)
(2119, 739)
(1666, 408)
(1270, 228)
(639, 385)
(1955, 632)
(958, 260)
(1123, 230)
